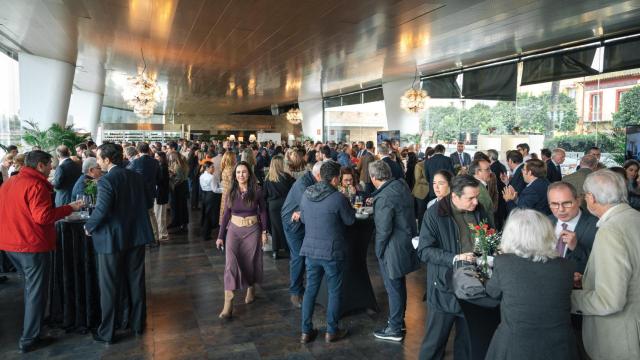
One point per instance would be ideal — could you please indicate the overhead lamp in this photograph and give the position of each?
(414, 100)
(294, 116)
(142, 92)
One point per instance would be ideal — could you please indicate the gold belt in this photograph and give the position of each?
(244, 221)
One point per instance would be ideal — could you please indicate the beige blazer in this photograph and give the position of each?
(421, 186)
(610, 298)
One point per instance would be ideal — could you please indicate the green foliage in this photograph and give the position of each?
(49, 139)
(628, 109)
(533, 115)
(412, 138)
(613, 143)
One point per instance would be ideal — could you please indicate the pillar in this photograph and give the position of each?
(84, 111)
(398, 118)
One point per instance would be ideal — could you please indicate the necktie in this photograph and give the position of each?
(559, 170)
(461, 159)
(560, 245)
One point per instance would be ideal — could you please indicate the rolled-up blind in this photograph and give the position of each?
(442, 87)
(491, 83)
(622, 55)
(561, 66)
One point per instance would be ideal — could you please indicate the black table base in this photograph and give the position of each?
(482, 320)
(357, 292)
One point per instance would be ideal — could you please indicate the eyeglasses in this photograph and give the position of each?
(565, 205)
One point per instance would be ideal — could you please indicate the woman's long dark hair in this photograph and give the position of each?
(252, 186)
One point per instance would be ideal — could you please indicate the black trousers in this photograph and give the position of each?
(34, 268)
(210, 212)
(421, 208)
(439, 325)
(114, 270)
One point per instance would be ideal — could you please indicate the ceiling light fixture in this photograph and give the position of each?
(414, 100)
(142, 92)
(294, 116)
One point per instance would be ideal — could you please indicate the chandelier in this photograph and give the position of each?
(414, 100)
(294, 116)
(142, 93)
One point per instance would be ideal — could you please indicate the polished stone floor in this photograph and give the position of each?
(184, 297)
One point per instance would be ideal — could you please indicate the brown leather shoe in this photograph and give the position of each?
(296, 300)
(340, 334)
(307, 338)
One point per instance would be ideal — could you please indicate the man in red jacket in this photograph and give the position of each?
(28, 235)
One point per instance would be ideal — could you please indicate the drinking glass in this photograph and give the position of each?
(358, 202)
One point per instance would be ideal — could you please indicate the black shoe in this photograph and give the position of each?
(308, 337)
(340, 334)
(35, 344)
(100, 340)
(388, 334)
(3, 279)
(275, 256)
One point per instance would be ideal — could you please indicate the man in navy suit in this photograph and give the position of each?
(514, 161)
(149, 168)
(554, 173)
(396, 170)
(120, 229)
(575, 229)
(65, 177)
(460, 159)
(534, 195)
(436, 163)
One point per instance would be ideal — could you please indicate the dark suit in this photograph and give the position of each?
(396, 170)
(149, 168)
(501, 213)
(120, 229)
(517, 180)
(78, 188)
(585, 233)
(64, 179)
(455, 159)
(436, 163)
(533, 197)
(553, 172)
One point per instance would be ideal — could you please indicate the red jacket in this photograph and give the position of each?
(27, 215)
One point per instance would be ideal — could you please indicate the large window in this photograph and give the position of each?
(9, 101)
(355, 117)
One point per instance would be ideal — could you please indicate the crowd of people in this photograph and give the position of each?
(574, 236)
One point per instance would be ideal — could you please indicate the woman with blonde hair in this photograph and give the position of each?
(178, 174)
(228, 163)
(534, 287)
(276, 187)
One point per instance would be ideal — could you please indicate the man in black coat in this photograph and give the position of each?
(65, 177)
(436, 163)
(554, 172)
(534, 195)
(120, 229)
(445, 238)
(294, 231)
(575, 229)
(149, 168)
(396, 171)
(395, 227)
(515, 163)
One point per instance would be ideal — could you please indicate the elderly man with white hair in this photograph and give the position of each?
(609, 300)
(90, 171)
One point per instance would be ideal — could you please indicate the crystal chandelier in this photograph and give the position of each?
(414, 100)
(142, 93)
(294, 116)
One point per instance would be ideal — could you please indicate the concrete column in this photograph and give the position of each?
(312, 118)
(84, 111)
(45, 90)
(398, 118)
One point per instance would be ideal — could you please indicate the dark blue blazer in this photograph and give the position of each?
(586, 233)
(64, 179)
(455, 159)
(149, 168)
(78, 188)
(533, 197)
(396, 170)
(436, 163)
(553, 174)
(517, 180)
(120, 220)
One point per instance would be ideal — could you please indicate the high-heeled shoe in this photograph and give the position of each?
(251, 296)
(227, 310)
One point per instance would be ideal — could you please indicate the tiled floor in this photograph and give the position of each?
(184, 297)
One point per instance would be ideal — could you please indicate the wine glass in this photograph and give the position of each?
(358, 202)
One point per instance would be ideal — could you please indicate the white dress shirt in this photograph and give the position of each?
(210, 182)
(571, 226)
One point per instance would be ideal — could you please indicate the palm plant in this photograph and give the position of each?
(48, 140)
(414, 139)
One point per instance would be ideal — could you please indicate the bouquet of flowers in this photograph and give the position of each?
(91, 189)
(487, 244)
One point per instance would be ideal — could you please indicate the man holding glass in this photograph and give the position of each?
(28, 235)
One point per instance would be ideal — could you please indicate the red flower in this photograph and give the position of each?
(485, 226)
(491, 231)
(477, 227)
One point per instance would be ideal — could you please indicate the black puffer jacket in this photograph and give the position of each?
(439, 243)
